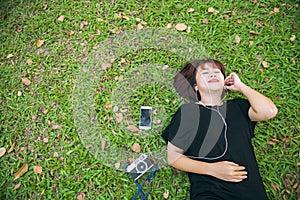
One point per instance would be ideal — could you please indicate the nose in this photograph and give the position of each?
(212, 75)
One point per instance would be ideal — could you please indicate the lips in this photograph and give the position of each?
(213, 80)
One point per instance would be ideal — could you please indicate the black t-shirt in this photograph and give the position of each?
(213, 134)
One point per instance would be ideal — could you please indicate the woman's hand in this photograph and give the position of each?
(233, 82)
(227, 171)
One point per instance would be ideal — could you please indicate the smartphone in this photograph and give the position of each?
(145, 118)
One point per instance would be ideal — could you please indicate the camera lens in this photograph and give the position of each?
(141, 166)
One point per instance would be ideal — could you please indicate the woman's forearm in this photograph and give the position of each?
(224, 170)
(262, 107)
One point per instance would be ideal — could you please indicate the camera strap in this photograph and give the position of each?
(154, 169)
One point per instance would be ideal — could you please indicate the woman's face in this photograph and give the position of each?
(209, 78)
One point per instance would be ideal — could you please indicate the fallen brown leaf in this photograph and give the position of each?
(26, 81)
(190, 10)
(237, 39)
(11, 148)
(37, 169)
(211, 10)
(136, 147)
(293, 38)
(166, 194)
(80, 196)
(265, 64)
(2, 151)
(105, 66)
(254, 32)
(119, 117)
(29, 61)
(117, 165)
(205, 21)
(10, 55)
(133, 128)
(61, 18)
(21, 171)
(275, 187)
(45, 140)
(169, 25)
(55, 127)
(180, 27)
(276, 10)
(40, 43)
(103, 145)
(17, 186)
(239, 21)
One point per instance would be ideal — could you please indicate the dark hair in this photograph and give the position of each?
(185, 79)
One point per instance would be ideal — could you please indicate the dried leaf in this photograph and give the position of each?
(166, 194)
(105, 66)
(21, 171)
(190, 10)
(286, 140)
(39, 43)
(136, 147)
(45, 140)
(29, 61)
(265, 64)
(275, 187)
(139, 26)
(258, 57)
(103, 145)
(108, 105)
(11, 148)
(37, 169)
(250, 43)
(133, 128)
(26, 81)
(165, 67)
(180, 27)
(188, 30)
(61, 18)
(239, 21)
(55, 127)
(271, 142)
(169, 25)
(119, 117)
(237, 39)
(276, 10)
(211, 10)
(205, 21)
(293, 38)
(55, 154)
(2, 151)
(10, 55)
(80, 196)
(254, 33)
(17, 186)
(71, 32)
(117, 165)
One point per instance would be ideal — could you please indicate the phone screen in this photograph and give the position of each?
(146, 117)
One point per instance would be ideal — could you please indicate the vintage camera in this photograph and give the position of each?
(140, 166)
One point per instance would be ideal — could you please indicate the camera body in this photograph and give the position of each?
(140, 166)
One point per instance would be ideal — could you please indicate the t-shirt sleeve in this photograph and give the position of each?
(244, 105)
(183, 126)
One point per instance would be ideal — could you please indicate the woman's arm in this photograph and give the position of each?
(262, 108)
(224, 170)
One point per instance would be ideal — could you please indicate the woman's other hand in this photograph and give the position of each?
(228, 171)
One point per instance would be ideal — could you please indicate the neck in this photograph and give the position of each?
(213, 99)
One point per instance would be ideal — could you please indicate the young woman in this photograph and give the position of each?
(211, 139)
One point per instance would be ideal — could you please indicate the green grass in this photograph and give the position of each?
(48, 101)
